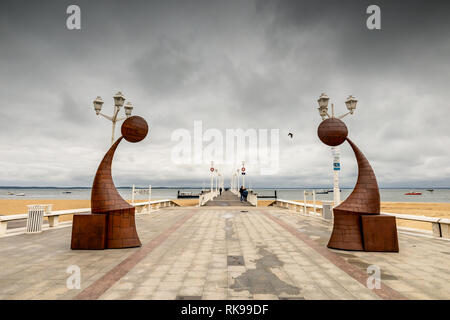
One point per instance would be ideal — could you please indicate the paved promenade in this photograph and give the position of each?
(222, 253)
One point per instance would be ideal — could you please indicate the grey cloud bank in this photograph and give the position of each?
(231, 64)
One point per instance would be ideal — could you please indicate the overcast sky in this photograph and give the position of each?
(231, 64)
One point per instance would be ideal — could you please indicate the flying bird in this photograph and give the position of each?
(291, 135)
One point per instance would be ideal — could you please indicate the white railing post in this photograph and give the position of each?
(314, 201)
(304, 202)
(253, 199)
(53, 221)
(436, 228)
(149, 198)
(3, 227)
(445, 228)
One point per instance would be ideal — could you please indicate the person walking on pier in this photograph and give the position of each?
(245, 194)
(240, 193)
(220, 191)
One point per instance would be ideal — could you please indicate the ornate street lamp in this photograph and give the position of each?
(119, 100)
(237, 175)
(323, 112)
(212, 176)
(350, 103)
(243, 173)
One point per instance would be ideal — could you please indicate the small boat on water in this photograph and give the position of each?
(411, 193)
(430, 190)
(9, 194)
(186, 195)
(66, 192)
(322, 192)
(20, 194)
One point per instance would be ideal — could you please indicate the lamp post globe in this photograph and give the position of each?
(98, 103)
(323, 105)
(351, 103)
(128, 109)
(323, 100)
(119, 99)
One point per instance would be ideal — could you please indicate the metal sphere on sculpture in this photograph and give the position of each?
(332, 132)
(134, 129)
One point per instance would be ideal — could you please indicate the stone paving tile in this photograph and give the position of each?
(193, 261)
(415, 266)
(34, 265)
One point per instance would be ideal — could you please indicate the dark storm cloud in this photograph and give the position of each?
(167, 68)
(231, 64)
(414, 34)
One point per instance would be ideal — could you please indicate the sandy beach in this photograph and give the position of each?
(441, 210)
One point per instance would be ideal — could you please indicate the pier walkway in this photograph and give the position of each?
(222, 253)
(227, 198)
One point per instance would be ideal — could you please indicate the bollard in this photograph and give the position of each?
(35, 218)
(327, 210)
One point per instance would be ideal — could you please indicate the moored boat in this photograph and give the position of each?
(411, 193)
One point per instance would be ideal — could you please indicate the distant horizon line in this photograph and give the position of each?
(198, 187)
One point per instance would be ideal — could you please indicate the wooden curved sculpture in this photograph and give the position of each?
(358, 224)
(104, 195)
(112, 221)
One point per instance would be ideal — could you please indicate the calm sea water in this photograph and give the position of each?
(392, 195)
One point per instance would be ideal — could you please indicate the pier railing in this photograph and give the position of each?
(252, 198)
(440, 226)
(304, 208)
(205, 197)
(53, 216)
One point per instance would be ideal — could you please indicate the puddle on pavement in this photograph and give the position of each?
(262, 280)
(235, 261)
